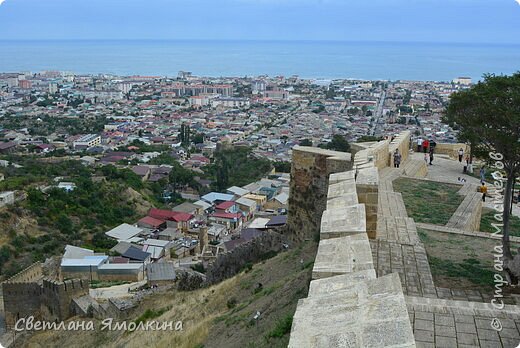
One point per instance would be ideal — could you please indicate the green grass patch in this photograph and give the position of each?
(488, 218)
(427, 201)
(151, 314)
(470, 269)
(282, 327)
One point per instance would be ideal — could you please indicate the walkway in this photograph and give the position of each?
(448, 171)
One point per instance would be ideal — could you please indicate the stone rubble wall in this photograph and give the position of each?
(308, 188)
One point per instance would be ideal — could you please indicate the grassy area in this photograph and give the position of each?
(427, 201)
(219, 316)
(458, 261)
(488, 217)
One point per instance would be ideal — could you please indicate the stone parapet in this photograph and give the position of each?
(342, 255)
(343, 221)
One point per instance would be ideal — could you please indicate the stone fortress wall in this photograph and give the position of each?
(347, 305)
(308, 189)
(30, 293)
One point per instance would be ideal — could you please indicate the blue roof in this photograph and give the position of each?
(216, 196)
(86, 261)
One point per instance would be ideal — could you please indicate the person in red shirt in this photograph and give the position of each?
(425, 145)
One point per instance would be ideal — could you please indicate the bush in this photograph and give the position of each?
(231, 303)
(282, 328)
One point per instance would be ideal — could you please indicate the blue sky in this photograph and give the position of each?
(359, 20)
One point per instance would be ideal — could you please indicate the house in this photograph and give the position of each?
(259, 199)
(44, 148)
(6, 198)
(67, 186)
(83, 267)
(160, 273)
(204, 205)
(151, 223)
(8, 147)
(169, 234)
(130, 272)
(189, 208)
(230, 220)
(172, 218)
(142, 171)
(74, 252)
(278, 202)
(216, 197)
(137, 255)
(247, 206)
(157, 248)
(226, 207)
(216, 231)
(277, 221)
(237, 191)
(259, 223)
(125, 232)
(88, 160)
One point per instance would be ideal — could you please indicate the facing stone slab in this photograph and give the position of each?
(344, 221)
(342, 255)
(341, 188)
(341, 203)
(343, 176)
(371, 313)
(330, 285)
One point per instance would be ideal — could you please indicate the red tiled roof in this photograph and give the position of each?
(225, 205)
(151, 221)
(162, 214)
(227, 215)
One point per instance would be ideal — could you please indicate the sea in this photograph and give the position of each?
(307, 59)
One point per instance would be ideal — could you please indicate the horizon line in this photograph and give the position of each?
(266, 40)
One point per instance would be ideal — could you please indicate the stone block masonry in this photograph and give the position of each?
(347, 306)
(309, 186)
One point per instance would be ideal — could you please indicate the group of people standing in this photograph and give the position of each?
(428, 147)
(468, 169)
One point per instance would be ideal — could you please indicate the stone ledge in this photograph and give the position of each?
(343, 176)
(344, 221)
(342, 255)
(327, 286)
(371, 313)
(341, 188)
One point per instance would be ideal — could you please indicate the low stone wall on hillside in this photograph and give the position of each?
(451, 150)
(402, 143)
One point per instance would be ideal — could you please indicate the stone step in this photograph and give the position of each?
(369, 313)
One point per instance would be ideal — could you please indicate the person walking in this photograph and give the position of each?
(397, 158)
(483, 190)
(461, 155)
(425, 145)
(483, 173)
(419, 144)
(431, 157)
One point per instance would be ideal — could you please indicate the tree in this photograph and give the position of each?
(488, 115)
(338, 143)
(184, 135)
(305, 142)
